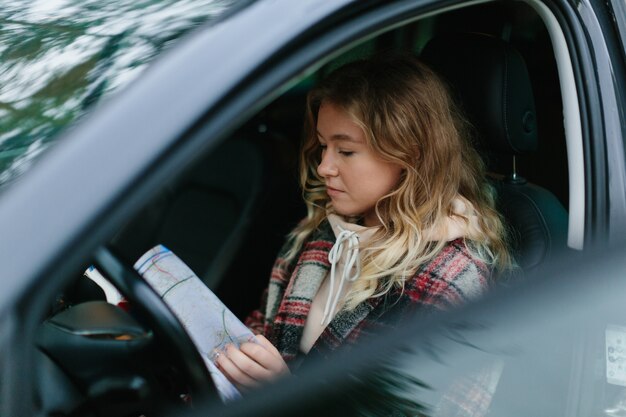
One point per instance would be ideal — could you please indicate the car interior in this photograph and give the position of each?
(247, 191)
(228, 215)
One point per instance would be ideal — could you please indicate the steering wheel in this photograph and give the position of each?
(157, 315)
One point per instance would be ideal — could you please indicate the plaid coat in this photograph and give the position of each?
(450, 279)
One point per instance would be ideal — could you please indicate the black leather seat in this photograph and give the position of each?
(491, 83)
(204, 219)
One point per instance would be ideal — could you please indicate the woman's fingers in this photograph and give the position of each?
(266, 355)
(247, 363)
(233, 373)
(268, 345)
(251, 363)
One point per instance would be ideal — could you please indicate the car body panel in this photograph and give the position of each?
(101, 171)
(609, 73)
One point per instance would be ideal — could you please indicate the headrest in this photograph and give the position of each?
(491, 83)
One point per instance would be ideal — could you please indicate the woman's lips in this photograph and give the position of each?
(332, 192)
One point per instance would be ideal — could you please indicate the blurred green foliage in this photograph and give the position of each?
(58, 58)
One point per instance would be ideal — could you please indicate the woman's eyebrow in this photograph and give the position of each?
(340, 137)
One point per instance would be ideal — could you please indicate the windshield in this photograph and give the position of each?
(60, 57)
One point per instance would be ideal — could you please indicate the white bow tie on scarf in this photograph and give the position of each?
(352, 260)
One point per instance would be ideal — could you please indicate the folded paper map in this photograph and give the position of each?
(209, 323)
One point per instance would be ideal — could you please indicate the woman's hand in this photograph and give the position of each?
(252, 363)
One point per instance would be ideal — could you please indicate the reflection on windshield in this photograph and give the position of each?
(58, 57)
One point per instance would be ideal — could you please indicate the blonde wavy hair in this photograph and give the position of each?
(409, 119)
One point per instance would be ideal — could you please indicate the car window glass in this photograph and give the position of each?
(554, 347)
(58, 58)
(546, 356)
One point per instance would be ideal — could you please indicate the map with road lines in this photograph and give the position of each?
(209, 323)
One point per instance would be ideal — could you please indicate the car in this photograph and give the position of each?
(198, 150)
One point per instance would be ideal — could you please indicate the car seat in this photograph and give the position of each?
(490, 81)
(206, 215)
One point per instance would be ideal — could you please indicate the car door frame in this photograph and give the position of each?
(76, 179)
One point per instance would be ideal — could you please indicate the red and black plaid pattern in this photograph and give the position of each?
(453, 277)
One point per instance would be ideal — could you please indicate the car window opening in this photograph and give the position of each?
(240, 201)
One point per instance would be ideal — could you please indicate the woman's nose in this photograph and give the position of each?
(327, 166)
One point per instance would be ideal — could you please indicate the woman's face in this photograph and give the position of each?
(356, 178)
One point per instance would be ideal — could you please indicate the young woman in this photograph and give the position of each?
(400, 219)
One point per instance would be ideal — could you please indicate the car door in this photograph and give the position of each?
(81, 194)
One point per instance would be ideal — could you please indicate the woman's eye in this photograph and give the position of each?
(346, 153)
